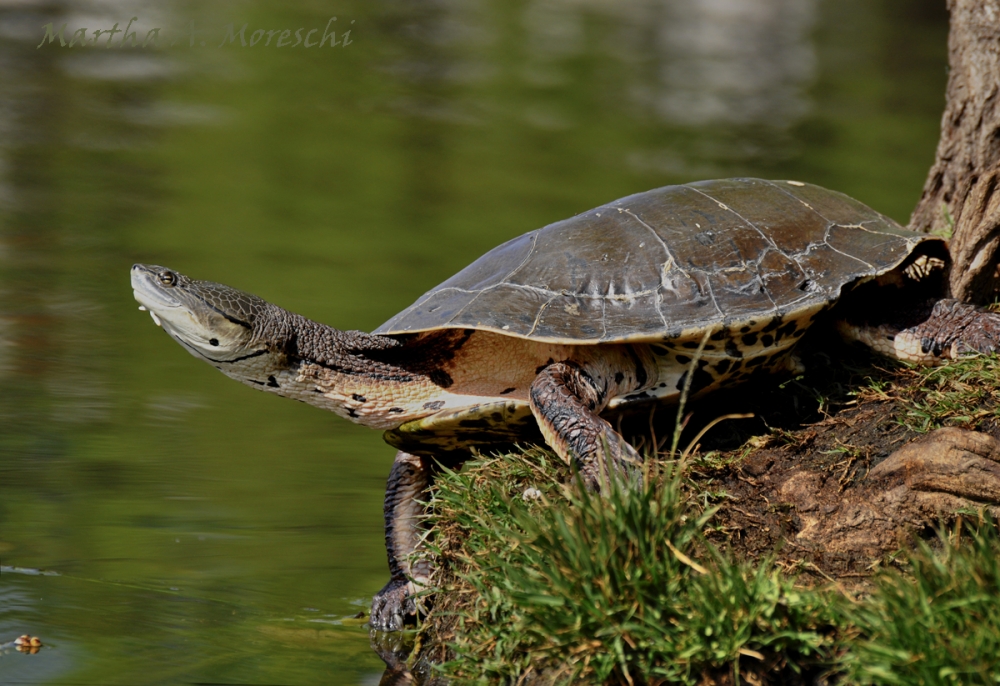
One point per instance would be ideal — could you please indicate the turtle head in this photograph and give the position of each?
(211, 321)
(274, 350)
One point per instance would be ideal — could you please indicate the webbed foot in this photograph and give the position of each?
(393, 607)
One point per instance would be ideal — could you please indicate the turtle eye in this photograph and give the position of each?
(168, 278)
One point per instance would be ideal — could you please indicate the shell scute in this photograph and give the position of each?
(669, 262)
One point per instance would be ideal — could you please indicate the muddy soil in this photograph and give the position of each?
(805, 463)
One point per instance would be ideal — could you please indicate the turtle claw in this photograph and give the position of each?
(617, 462)
(393, 607)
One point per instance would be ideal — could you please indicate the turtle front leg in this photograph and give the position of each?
(565, 400)
(954, 329)
(408, 482)
(931, 335)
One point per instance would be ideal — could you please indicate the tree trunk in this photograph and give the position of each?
(960, 195)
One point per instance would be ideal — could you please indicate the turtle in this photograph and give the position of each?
(548, 336)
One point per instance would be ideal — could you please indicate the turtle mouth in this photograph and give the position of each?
(148, 292)
(150, 295)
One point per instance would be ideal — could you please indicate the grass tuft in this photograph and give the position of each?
(544, 582)
(937, 622)
(964, 393)
(618, 589)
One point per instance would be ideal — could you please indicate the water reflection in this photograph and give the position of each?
(217, 534)
(702, 62)
(736, 62)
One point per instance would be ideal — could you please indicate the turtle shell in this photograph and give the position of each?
(669, 263)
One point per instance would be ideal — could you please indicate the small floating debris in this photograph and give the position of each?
(23, 644)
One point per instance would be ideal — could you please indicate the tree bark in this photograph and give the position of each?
(961, 194)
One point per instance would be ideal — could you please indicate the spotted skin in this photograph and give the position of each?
(766, 343)
(489, 426)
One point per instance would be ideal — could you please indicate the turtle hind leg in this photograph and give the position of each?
(394, 605)
(565, 401)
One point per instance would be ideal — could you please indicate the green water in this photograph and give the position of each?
(207, 533)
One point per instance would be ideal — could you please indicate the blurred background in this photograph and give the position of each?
(207, 533)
